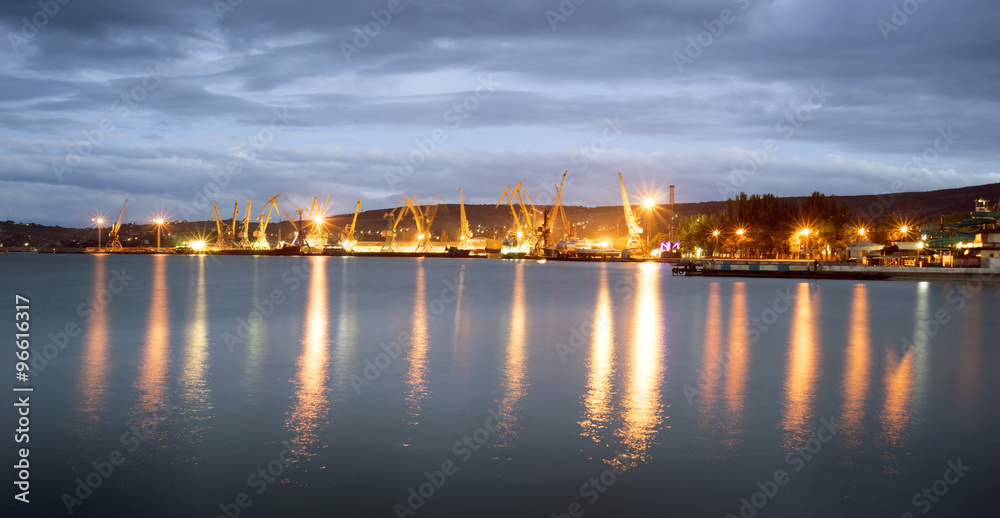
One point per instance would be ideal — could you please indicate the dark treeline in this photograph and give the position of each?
(765, 225)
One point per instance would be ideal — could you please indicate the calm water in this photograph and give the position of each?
(497, 388)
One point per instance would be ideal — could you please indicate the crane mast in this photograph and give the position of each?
(245, 230)
(113, 241)
(347, 236)
(633, 226)
(465, 236)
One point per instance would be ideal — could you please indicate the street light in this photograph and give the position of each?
(100, 222)
(739, 240)
(805, 232)
(159, 223)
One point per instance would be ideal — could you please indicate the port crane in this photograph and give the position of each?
(465, 236)
(390, 228)
(226, 233)
(545, 240)
(244, 232)
(524, 225)
(423, 218)
(113, 242)
(634, 230)
(260, 235)
(317, 214)
(347, 235)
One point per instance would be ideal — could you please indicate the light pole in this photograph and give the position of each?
(159, 223)
(739, 241)
(649, 204)
(715, 236)
(805, 232)
(100, 221)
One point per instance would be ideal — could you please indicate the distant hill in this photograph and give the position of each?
(485, 220)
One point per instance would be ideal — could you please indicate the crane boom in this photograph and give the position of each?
(265, 217)
(347, 236)
(245, 231)
(633, 226)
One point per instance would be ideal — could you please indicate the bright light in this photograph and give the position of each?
(420, 236)
(604, 244)
(649, 203)
(804, 232)
(739, 231)
(159, 221)
(100, 221)
(861, 231)
(920, 244)
(904, 229)
(318, 220)
(197, 245)
(715, 233)
(520, 234)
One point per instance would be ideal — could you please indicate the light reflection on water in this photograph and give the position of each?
(601, 367)
(309, 409)
(93, 380)
(513, 377)
(154, 364)
(616, 392)
(857, 370)
(643, 406)
(798, 420)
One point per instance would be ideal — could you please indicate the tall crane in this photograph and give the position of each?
(513, 211)
(260, 235)
(394, 218)
(317, 214)
(545, 240)
(245, 230)
(113, 242)
(347, 235)
(423, 218)
(633, 226)
(465, 236)
(226, 234)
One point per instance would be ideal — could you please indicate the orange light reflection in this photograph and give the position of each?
(513, 382)
(800, 383)
(597, 402)
(643, 410)
(93, 382)
(416, 376)
(857, 375)
(151, 385)
(310, 405)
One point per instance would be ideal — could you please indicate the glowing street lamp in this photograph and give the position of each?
(861, 232)
(100, 222)
(805, 233)
(159, 224)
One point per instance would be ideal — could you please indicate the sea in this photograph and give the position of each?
(232, 386)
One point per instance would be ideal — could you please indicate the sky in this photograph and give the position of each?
(178, 105)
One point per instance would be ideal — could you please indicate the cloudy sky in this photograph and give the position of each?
(175, 105)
